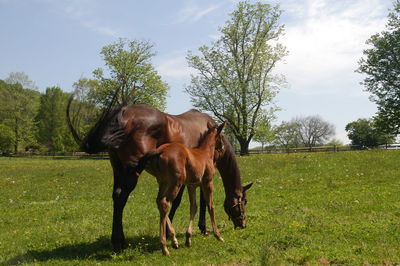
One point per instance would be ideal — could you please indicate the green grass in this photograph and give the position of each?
(319, 208)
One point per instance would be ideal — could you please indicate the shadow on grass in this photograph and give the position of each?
(99, 250)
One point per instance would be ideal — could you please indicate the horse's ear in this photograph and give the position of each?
(246, 187)
(220, 127)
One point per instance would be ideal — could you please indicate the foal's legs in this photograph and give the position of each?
(175, 204)
(193, 210)
(208, 196)
(164, 204)
(202, 215)
(125, 180)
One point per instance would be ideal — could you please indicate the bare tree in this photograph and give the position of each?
(313, 130)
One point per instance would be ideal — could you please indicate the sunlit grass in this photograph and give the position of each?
(317, 208)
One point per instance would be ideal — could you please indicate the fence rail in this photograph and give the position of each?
(268, 150)
(332, 148)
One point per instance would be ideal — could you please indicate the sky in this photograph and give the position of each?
(57, 42)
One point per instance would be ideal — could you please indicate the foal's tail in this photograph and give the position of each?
(143, 162)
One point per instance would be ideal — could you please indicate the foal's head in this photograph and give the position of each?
(213, 139)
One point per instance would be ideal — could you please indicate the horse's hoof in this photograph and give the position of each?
(117, 248)
(219, 238)
(175, 245)
(188, 243)
(205, 233)
(165, 252)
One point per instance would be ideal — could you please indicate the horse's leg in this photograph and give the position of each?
(193, 210)
(175, 205)
(163, 206)
(208, 196)
(202, 216)
(174, 241)
(172, 193)
(125, 180)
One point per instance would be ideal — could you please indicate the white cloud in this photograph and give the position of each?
(175, 67)
(84, 13)
(104, 30)
(325, 40)
(192, 13)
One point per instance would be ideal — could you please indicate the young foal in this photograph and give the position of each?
(174, 165)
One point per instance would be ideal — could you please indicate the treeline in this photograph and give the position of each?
(33, 121)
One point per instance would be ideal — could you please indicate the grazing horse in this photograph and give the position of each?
(174, 164)
(130, 132)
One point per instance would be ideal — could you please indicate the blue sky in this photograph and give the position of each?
(56, 42)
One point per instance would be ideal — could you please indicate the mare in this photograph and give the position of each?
(174, 164)
(130, 132)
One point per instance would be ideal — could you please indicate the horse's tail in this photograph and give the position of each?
(147, 158)
(107, 133)
(71, 127)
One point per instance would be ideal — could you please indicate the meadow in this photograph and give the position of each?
(309, 208)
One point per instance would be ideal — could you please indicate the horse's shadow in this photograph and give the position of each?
(99, 250)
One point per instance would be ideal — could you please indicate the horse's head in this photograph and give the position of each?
(235, 208)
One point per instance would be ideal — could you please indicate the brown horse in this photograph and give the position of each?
(130, 132)
(174, 164)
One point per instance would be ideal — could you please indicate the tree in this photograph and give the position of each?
(22, 79)
(130, 71)
(6, 139)
(51, 123)
(313, 130)
(366, 133)
(264, 132)
(381, 64)
(286, 135)
(234, 79)
(17, 111)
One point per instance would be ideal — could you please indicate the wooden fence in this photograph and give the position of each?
(333, 148)
(267, 150)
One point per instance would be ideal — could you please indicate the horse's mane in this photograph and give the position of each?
(227, 165)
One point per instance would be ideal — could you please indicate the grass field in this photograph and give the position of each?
(319, 208)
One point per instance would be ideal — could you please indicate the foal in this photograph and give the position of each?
(174, 165)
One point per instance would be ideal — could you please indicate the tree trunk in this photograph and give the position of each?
(244, 147)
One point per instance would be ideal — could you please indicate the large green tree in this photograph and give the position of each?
(234, 79)
(52, 128)
(129, 69)
(366, 133)
(264, 132)
(286, 135)
(18, 106)
(381, 64)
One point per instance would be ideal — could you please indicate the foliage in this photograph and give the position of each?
(382, 68)
(131, 72)
(286, 135)
(17, 111)
(51, 123)
(366, 133)
(264, 132)
(303, 209)
(6, 139)
(234, 78)
(313, 130)
(22, 79)
(335, 142)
